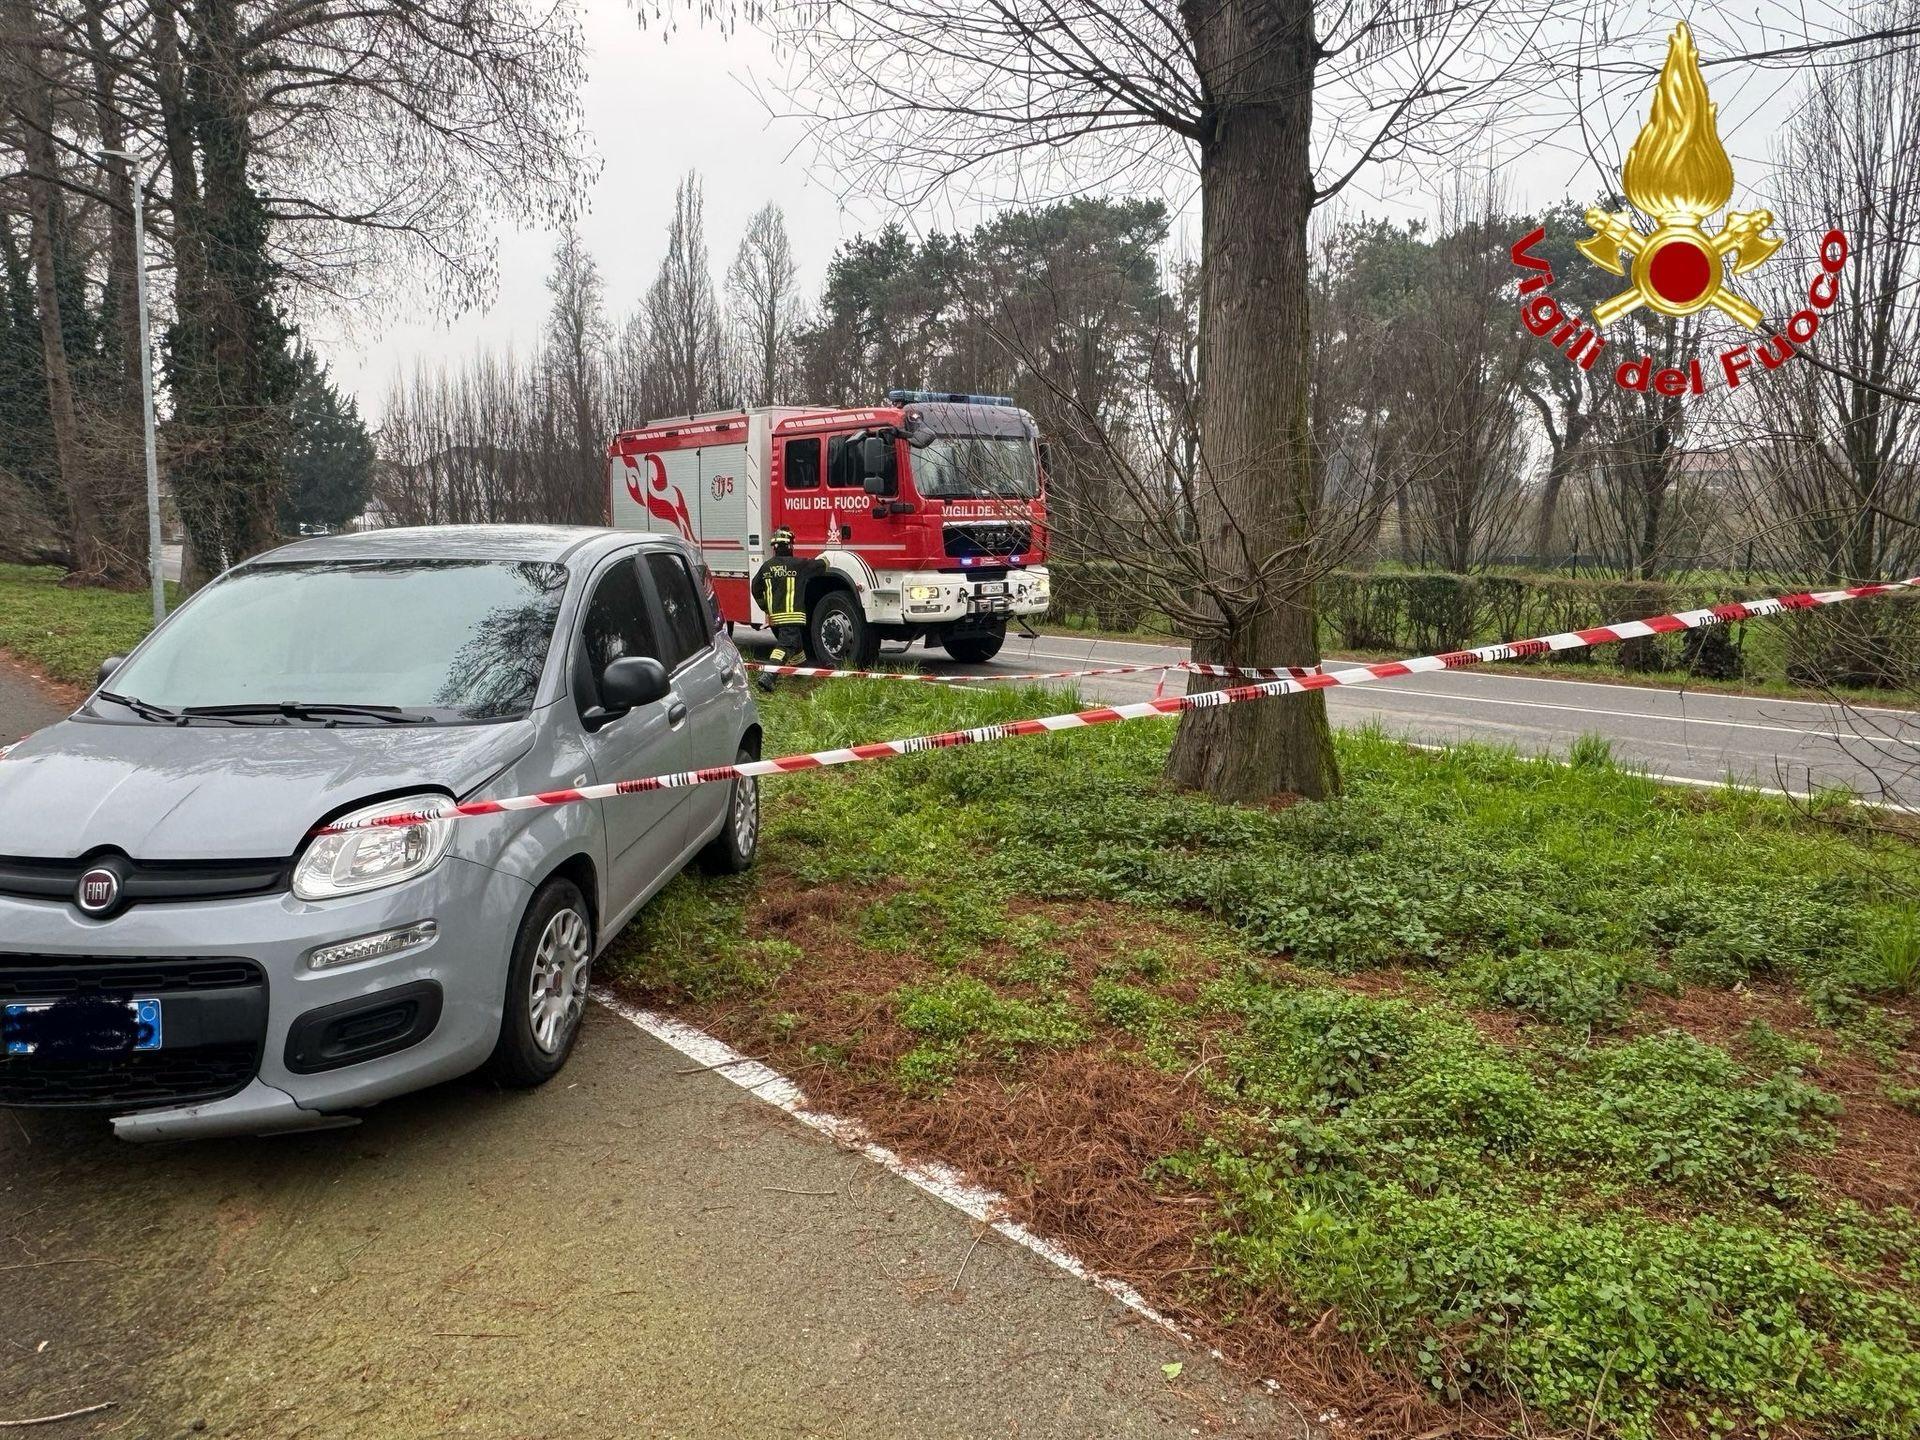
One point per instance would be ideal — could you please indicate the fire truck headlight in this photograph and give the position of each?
(923, 592)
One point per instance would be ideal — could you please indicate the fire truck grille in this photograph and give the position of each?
(995, 539)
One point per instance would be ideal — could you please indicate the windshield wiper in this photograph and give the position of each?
(144, 709)
(300, 710)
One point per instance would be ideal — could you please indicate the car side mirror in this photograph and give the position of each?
(108, 666)
(875, 484)
(921, 437)
(632, 682)
(873, 459)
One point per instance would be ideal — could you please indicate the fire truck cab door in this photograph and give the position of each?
(836, 512)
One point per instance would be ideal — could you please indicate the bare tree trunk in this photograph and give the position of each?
(1557, 471)
(34, 109)
(1256, 503)
(121, 259)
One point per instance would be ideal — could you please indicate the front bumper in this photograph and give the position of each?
(939, 597)
(477, 911)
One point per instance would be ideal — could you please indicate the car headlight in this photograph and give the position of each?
(357, 860)
(923, 592)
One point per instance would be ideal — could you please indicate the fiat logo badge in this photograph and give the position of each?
(98, 891)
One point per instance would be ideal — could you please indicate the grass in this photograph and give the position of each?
(1522, 1081)
(66, 631)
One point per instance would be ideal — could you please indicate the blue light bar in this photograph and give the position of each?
(944, 397)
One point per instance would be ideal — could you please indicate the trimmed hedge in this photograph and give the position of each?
(1875, 644)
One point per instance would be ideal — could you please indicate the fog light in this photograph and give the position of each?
(374, 947)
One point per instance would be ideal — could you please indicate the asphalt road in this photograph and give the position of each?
(639, 1249)
(1694, 736)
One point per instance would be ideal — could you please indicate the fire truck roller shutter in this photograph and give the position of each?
(726, 508)
(677, 512)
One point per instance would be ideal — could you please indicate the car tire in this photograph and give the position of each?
(734, 849)
(976, 649)
(839, 635)
(552, 957)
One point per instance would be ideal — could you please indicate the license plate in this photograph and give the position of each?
(146, 1019)
(991, 587)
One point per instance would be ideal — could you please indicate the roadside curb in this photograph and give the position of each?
(941, 1181)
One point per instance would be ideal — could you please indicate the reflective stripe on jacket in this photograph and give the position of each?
(781, 589)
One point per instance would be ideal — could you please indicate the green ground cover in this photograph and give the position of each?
(1557, 1090)
(68, 630)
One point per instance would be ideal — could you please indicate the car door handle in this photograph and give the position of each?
(676, 712)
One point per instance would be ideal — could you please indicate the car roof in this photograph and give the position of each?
(461, 542)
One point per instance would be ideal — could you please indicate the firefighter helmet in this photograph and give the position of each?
(783, 541)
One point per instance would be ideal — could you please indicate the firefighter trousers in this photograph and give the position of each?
(789, 648)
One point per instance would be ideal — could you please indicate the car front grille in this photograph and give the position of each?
(214, 1030)
(48, 977)
(146, 881)
(130, 1082)
(993, 539)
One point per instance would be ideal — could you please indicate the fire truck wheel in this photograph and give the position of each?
(841, 636)
(976, 649)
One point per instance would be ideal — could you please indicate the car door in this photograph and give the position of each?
(647, 832)
(703, 676)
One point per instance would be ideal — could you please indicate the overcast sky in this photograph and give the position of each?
(659, 105)
(656, 107)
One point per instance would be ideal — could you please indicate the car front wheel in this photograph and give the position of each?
(546, 988)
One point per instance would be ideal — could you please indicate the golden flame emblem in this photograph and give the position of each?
(1678, 174)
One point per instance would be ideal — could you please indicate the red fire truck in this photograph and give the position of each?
(929, 512)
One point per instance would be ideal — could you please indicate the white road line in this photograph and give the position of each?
(1489, 675)
(1692, 782)
(1643, 715)
(942, 1182)
(1683, 719)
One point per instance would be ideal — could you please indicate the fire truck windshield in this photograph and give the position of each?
(966, 467)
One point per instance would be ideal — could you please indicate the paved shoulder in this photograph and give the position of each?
(635, 1250)
(25, 703)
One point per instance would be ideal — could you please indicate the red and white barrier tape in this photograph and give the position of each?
(816, 672)
(1157, 708)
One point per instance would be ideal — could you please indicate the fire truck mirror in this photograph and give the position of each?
(921, 437)
(873, 463)
(875, 484)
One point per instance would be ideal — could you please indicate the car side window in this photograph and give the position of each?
(687, 625)
(802, 468)
(616, 626)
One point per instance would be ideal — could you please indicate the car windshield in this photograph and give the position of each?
(964, 467)
(422, 639)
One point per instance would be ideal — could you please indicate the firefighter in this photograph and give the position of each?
(780, 589)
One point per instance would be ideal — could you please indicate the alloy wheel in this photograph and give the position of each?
(558, 988)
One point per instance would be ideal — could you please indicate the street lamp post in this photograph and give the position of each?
(154, 569)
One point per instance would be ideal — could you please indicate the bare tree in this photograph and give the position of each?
(1465, 360)
(762, 302)
(1062, 95)
(1842, 478)
(575, 362)
(686, 370)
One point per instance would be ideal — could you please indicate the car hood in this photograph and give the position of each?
(226, 792)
